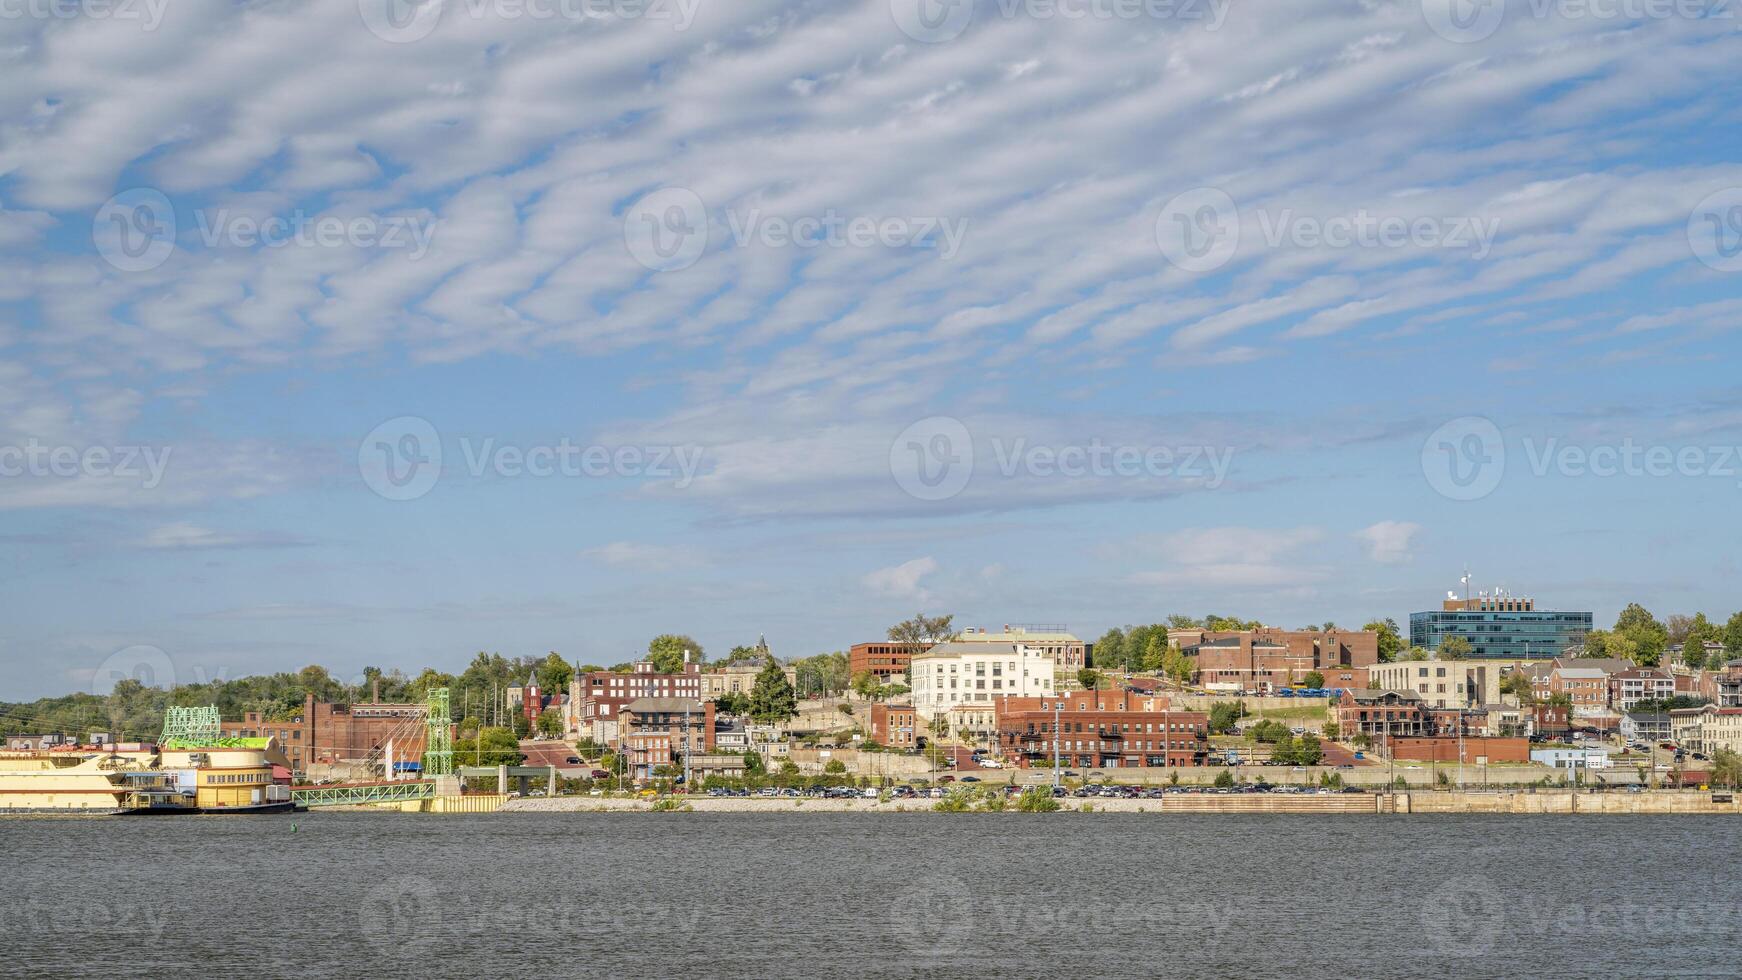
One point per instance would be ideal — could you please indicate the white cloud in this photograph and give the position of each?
(643, 556)
(186, 536)
(1388, 542)
(1231, 557)
(902, 581)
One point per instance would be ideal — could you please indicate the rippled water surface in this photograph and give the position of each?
(856, 895)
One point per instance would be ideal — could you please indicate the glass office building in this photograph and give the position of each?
(1501, 628)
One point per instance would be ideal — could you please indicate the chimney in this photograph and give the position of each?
(375, 691)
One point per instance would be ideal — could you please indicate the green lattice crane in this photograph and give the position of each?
(438, 742)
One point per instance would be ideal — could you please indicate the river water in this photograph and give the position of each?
(860, 895)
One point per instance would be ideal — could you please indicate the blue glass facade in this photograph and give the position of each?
(1502, 635)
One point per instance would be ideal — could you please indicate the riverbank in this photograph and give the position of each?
(1504, 802)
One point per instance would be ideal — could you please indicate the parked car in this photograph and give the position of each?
(572, 760)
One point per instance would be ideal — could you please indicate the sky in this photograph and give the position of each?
(370, 332)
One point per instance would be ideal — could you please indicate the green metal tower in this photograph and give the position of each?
(190, 726)
(438, 741)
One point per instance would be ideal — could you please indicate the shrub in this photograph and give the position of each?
(1036, 799)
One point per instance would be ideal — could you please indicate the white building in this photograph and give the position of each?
(952, 674)
(1586, 759)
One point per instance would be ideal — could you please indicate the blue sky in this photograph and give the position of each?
(1327, 302)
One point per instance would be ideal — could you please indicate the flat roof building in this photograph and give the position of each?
(1500, 627)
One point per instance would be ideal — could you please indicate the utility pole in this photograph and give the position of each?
(1055, 740)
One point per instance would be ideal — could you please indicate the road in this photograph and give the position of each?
(549, 753)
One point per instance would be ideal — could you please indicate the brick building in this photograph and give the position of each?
(1382, 714)
(596, 698)
(1267, 659)
(654, 732)
(324, 735)
(1629, 687)
(1101, 730)
(882, 659)
(894, 726)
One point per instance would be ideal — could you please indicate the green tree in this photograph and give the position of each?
(1454, 648)
(753, 765)
(1089, 678)
(1314, 679)
(1110, 648)
(550, 722)
(732, 703)
(1225, 716)
(866, 684)
(834, 767)
(1732, 636)
(920, 633)
(772, 700)
(1390, 639)
(1224, 779)
(1416, 653)
(554, 674)
(1307, 750)
(1649, 637)
(1727, 769)
(1518, 684)
(667, 650)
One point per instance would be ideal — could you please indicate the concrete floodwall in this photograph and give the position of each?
(1660, 801)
